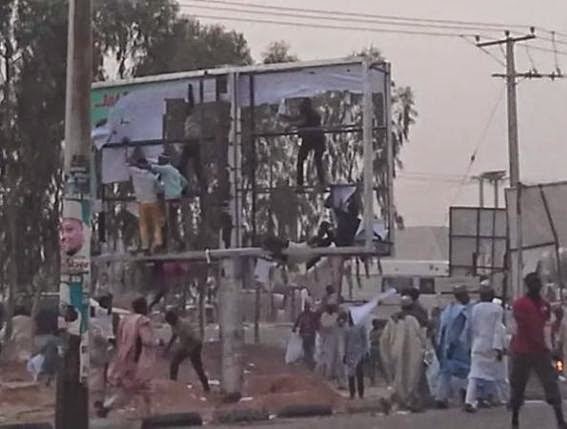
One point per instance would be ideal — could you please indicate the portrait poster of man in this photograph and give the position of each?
(74, 238)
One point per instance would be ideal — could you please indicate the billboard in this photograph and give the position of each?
(543, 221)
(143, 115)
(478, 241)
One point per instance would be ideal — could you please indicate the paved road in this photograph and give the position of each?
(534, 415)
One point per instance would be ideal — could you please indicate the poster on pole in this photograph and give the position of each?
(75, 247)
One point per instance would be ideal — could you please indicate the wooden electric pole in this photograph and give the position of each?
(72, 387)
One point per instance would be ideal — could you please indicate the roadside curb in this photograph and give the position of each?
(28, 426)
(240, 416)
(308, 410)
(381, 405)
(172, 420)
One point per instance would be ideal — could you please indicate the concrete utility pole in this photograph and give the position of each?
(231, 331)
(480, 191)
(72, 388)
(494, 178)
(513, 147)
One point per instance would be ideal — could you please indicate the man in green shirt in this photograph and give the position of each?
(189, 345)
(174, 185)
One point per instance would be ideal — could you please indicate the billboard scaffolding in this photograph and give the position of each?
(478, 242)
(543, 226)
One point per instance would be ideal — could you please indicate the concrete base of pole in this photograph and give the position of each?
(72, 397)
(28, 426)
(177, 420)
(231, 330)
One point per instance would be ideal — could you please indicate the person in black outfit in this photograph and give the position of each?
(192, 148)
(325, 238)
(312, 137)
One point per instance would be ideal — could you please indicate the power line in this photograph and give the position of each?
(432, 179)
(423, 32)
(330, 16)
(330, 27)
(460, 23)
(486, 51)
(481, 140)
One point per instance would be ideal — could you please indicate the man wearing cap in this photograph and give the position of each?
(146, 188)
(416, 308)
(454, 345)
(72, 237)
(529, 351)
(487, 345)
(173, 184)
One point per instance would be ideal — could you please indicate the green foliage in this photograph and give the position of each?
(138, 38)
(132, 34)
(278, 52)
(128, 29)
(189, 45)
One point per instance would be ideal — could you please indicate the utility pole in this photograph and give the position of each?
(513, 146)
(480, 191)
(231, 331)
(72, 388)
(11, 176)
(494, 178)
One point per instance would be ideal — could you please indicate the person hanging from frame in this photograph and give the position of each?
(308, 123)
(192, 147)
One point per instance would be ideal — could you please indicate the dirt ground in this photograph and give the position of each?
(269, 385)
(21, 400)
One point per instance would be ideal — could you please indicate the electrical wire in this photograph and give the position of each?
(383, 19)
(532, 63)
(381, 29)
(486, 51)
(431, 179)
(481, 140)
(331, 27)
(409, 20)
(553, 51)
(313, 14)
(554, 46)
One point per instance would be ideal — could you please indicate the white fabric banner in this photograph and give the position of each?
(272, 88)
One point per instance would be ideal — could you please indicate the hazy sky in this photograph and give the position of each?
(454, 93)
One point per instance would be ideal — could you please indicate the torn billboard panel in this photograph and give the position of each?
(146, 112)
(478, 240)
(543, 221)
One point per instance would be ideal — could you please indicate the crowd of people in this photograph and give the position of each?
(466, 355)
(158, 189)
(343, 345)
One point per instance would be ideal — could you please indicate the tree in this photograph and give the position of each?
(404, 116)
(127, 29)
(189, 45)
(278, 52)
(33, 46)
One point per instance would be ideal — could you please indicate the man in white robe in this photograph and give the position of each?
(402, 348)
(329, 342)
(487, 346)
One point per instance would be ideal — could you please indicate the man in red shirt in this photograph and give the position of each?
(529, 351)
(308, 324)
